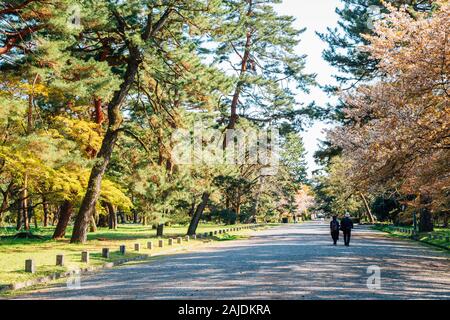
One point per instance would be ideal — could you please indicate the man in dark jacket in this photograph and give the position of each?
(346, 227)
(334, 228)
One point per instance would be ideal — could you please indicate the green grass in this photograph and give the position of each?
(14, 252)
(422, 237)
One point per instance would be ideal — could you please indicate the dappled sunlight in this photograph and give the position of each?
(286, 262)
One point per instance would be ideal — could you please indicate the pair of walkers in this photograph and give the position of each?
(346, 225)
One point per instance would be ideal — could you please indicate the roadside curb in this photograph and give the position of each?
(66, 274)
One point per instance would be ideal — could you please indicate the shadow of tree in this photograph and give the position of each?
(289, 262)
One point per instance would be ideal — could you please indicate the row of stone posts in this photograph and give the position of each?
(438, 237)
(30, 265)
(430, 236)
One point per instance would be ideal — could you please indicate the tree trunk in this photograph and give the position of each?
(99, 117)
(197, 215)
(112, 216)
(35, 221)
(257, 201)
(93, 225)
(426, 219)
(65, 212)
(56, 216)
(122, 217)
(45, 209)
(102, 221)
(31, 215)
(19, 214)
(192, 209)
(245, 59)
(26, 220)
(366, 206)
(104, 156)
(5, 202)
(135, 216)
(244, 62)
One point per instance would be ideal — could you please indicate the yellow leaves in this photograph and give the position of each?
(67, 183)
(11, 109)
(112, 193)
(36, 89)
(86, 134)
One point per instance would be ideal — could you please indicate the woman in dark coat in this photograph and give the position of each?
(334, 228)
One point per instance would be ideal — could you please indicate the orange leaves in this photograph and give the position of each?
(397, 136)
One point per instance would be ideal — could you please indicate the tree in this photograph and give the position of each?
(354, 66)
(398, 137)
(141, 41)
(259, 45)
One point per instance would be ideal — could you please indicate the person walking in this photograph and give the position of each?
(334, 228)
(346, 227)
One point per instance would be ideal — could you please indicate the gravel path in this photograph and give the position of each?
(286, 262)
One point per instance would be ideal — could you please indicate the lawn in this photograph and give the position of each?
(423, 237)
(14, 252)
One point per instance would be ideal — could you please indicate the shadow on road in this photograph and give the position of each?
(287, 262)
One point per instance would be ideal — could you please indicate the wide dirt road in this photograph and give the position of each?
(286, 262)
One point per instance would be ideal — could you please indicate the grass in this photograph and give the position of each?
(14, 252)
(422, 237)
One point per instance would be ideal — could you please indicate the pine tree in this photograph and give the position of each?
(353, 65)
(138, 35)
(260, 46)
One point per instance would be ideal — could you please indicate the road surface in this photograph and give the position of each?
(285, 262)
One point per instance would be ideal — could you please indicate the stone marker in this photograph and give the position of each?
(150, 245)
(30, 266)
(161, 243)
(170, 241)
(215, 232)
(186, 238)
(123, 249)
(194, 237)
(85, 257)
(60, 260)
(179, 239)
(105, 253)
(220, 231)
(137, 247)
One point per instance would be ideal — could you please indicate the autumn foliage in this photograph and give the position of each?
(396, 136)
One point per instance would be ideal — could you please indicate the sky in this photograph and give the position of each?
(315, 15)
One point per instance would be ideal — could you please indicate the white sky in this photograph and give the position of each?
(315, 15)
